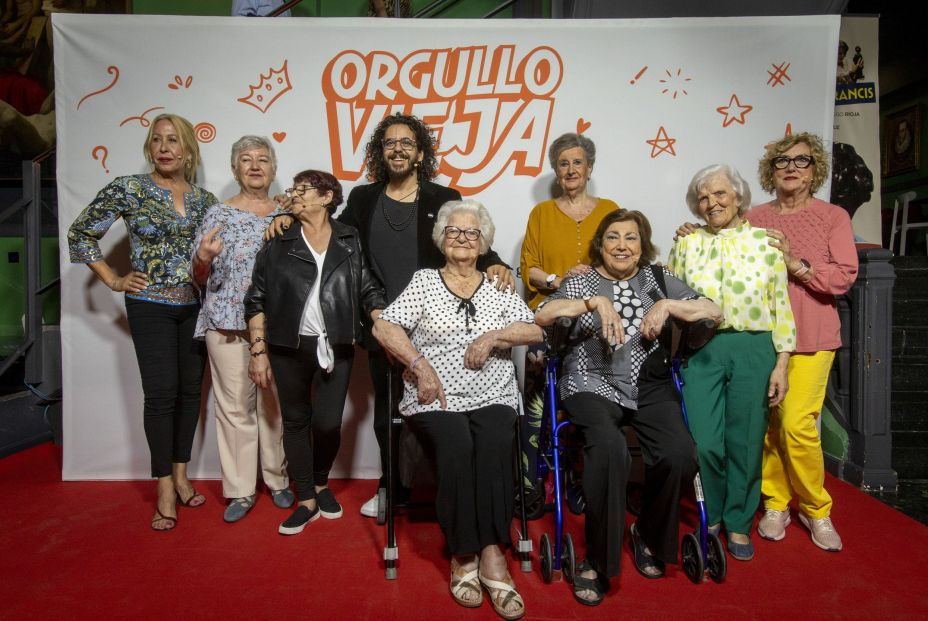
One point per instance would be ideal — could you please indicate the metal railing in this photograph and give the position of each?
(31, 205)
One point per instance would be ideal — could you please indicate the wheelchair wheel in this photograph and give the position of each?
(568, 557)
(382, 506)
(692, 561)
(716, 564)
(545, 559)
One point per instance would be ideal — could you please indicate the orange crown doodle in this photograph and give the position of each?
(269, 88)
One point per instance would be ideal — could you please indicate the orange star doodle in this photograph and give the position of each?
(736, 116)
(662, 137)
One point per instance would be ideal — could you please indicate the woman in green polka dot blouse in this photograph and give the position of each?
(733, 381)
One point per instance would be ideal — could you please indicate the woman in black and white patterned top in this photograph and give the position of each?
(616, 373)
(453, 330)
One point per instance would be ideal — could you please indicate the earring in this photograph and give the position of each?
(186, 163)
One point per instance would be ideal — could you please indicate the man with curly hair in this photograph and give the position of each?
(395, 215)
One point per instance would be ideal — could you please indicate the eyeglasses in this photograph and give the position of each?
(299, 190)
(406, 144)
(800, 161)
(453, 232)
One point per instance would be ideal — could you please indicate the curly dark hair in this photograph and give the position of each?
(323, 182)
(648, 249)
(377, 169)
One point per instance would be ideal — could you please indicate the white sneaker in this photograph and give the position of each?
(773, 525)
(369, 508)
(823, 532)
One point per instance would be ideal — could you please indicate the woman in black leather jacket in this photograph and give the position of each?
(304, 320)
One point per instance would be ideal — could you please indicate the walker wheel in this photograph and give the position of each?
(382, 506)
(692, 561)
(545, 559)
(568, 557)
(716, 564)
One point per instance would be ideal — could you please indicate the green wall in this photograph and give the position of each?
(321, 8)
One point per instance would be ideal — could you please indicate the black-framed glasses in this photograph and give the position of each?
(299, 190)
(453, 232)
(800, 161)
(406, 144)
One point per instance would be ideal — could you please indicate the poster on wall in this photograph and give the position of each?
(855, 184)
(661, 99)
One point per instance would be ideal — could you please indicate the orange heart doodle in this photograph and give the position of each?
(279, 136)
(582, 125)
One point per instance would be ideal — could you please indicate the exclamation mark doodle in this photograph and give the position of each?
(639, 74)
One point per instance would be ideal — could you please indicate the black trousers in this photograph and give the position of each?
(473, 459)
(171, 366)
(379, 366)
(670, 462)
(311, 411)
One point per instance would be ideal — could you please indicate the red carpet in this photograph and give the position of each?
(84, 550)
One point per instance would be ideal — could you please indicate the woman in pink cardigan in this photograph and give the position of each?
(817, 243)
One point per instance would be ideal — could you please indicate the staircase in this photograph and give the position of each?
(910, 368)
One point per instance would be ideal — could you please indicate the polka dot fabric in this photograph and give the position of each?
(745, 276)
(591, 365)
(437, 325)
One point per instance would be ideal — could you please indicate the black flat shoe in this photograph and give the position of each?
(643, 560)
(588, 584)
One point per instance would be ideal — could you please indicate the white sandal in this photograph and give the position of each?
(501, 594)
(463, 585)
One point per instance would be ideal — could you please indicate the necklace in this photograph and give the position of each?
(407, 219)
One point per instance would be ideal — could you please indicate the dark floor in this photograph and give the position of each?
(911, 499)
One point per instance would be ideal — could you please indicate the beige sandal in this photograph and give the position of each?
(501, 594)
(463, 585)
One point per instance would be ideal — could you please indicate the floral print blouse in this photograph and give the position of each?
(242, 235)
(160, 239)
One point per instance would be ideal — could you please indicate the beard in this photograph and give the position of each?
(398, 174)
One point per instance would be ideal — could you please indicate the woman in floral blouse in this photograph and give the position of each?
(162, 211)
(248, 421)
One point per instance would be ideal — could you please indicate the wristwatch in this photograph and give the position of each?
(550, 279)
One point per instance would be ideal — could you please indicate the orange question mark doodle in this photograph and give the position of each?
(102, 159)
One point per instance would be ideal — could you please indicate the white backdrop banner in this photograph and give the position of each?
(660, 98)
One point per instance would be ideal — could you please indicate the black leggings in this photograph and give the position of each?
(670, 462)
(311, 411)
(171, 365)
(473, 459)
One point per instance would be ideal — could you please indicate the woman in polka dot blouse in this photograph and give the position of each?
(733, 381)
(616, 373)
(453, 330)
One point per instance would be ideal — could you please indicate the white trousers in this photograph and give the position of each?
(248, 423)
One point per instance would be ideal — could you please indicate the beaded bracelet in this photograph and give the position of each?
(258, 339)
(415, 361)
(258, 353)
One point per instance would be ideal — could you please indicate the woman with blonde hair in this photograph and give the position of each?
(162, 211)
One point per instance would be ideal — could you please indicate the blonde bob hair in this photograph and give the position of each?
(187, 139)
(820, 165)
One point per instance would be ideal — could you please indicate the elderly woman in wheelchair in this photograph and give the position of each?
(615, 373)
(453, 330)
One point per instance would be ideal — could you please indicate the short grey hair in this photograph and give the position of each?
(570, 141)
(253, 142)
(741, 187)
(475, 208)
